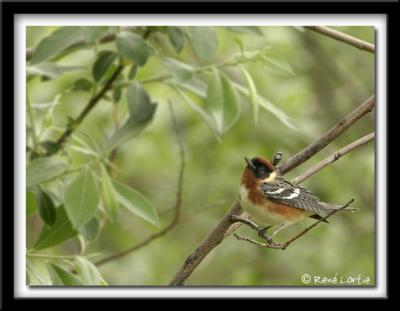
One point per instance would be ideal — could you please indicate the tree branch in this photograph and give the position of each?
(210, 242)
(340, 36)
(287, 243)
(225, 225)
(333, 157)
(177, 206)
(329, 136)
(91, 104)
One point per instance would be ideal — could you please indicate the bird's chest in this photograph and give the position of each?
(267, 211)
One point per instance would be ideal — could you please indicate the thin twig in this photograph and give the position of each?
(177, 206)
(261, 231)
(333, 157)
(91, 104)
(287, 243)
(277, 158)
(317, 222)
(340, 36)
(267, 245)
(216, 236)
(329, 136)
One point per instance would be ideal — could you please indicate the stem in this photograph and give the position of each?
(215, 237)
(317, 222)
(31, 121)
(91, 104)
(61, 257)
(74, 170)
(340, 36)
(177, 207)
(286, 244)
(166, 76)
(333, 157)
(329, 136)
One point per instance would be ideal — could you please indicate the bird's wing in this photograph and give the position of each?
(283, 191)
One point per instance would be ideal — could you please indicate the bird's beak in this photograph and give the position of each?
(249, 163)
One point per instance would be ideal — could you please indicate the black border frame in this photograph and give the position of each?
(10, 9)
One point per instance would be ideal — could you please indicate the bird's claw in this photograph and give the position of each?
(263, 234)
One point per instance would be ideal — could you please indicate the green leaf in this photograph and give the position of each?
(207, 118)
(141, 111)
(253, 95)
(38, 272)
(109, 195)
(176, 38)
(194, 85)
(94, 33)
(66, 277)
(40, 170)
(82, 85)
(204, 41)
(103, 62)
(61, 231)
(54, 277)
(180, 71)
(56, 42)
(117, 94)
(278, 62)
(132, 72)
(91, 230)
(133, 47)
(51, 70)
(251, 30)
(88, 272)
(47, 210)
(270, 107)
(31, 206)
(81, 199)
(50, 146)
(222, 101)
(136, 203)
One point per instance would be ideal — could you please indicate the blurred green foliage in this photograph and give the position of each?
(320, 81)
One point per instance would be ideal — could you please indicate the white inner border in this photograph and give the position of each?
(22, 21)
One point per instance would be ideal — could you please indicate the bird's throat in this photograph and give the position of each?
(270, 178)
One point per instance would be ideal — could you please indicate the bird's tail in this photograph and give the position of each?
(331, 207)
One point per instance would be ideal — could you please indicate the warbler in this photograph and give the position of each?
(271, 198)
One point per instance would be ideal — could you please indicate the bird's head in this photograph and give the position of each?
(259, 168)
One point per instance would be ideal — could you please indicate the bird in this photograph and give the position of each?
(271, 198)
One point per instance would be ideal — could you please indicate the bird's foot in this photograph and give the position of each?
(263, 234)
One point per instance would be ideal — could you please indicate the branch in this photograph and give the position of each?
(211, 241)
(286, 244)
(177, 206)
(225, 226)
(317, 222)
(329, 136)
(333, 157)
(91, 104)
(340, 36)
